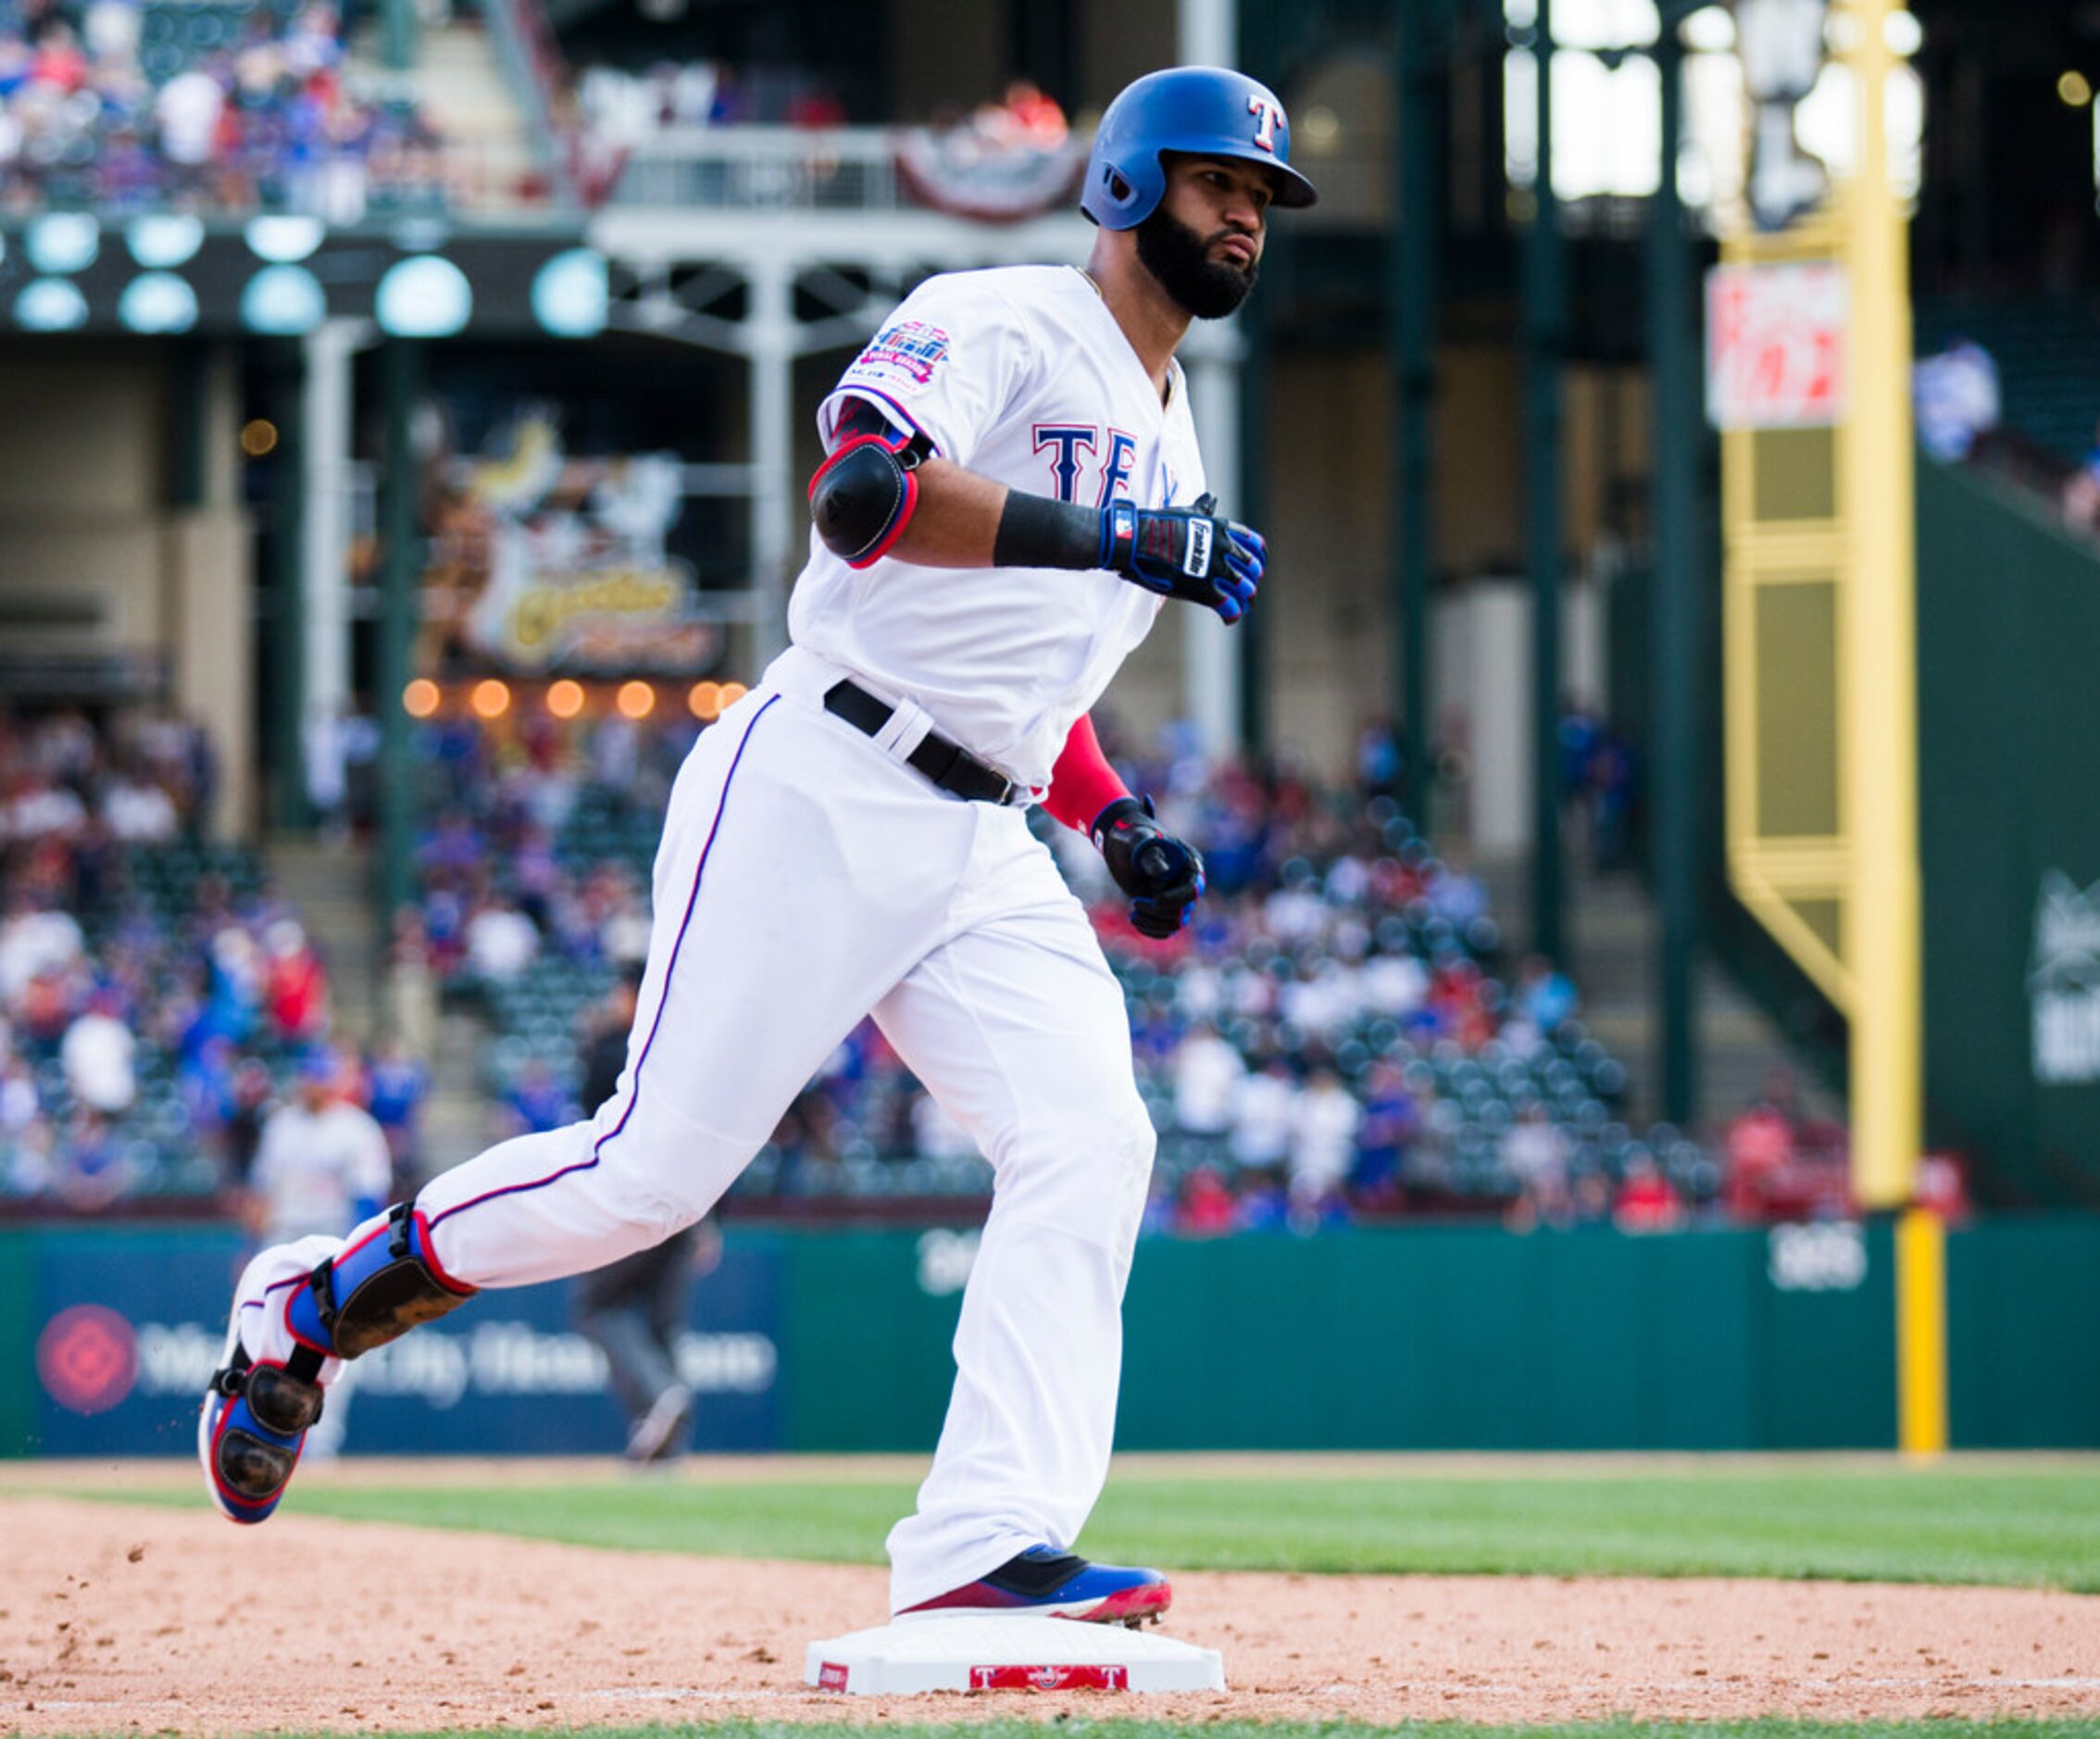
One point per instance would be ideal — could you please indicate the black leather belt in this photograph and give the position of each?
(948, 764)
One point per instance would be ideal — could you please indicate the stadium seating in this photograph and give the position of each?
(204, 105)
(171, 935)
(857, 1133)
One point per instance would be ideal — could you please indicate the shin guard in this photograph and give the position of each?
(373, 1290)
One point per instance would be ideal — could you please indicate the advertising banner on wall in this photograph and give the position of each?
(128, 1328)
(546, 562)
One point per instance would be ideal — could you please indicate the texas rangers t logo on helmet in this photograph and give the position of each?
(1269, 112)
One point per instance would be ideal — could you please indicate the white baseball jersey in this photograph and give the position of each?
(312, 1170)
(809, 876)
(1022, 375)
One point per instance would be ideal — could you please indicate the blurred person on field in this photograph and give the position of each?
(321, 1166)
(635, 1310)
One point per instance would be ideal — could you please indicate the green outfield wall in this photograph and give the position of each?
(2008, 621)
(1429, 1338)
(1435, 1337)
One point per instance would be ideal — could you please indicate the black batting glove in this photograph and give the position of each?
(1185, 553)
(1162, 875)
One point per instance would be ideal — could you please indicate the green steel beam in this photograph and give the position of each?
(401, 371)
(285, 710)
(1544, 284)
(1676, 733)
(1414, 240)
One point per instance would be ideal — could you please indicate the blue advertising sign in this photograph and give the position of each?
(129, 1324)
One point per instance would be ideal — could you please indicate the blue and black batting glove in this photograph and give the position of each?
(1185, 553)
(1162, 875)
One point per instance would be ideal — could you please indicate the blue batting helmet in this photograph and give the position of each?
(1208, 111)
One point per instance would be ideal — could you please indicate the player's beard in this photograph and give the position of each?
(1180, 259)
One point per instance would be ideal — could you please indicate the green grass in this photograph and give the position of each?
(2038, 1527)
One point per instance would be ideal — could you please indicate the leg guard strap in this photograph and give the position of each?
(258, 1430)
(375, 1291)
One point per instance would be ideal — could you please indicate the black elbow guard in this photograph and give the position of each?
(864, 495)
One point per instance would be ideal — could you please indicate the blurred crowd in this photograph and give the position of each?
(507, 871)
(132, 106)
(623, 107)
(156, 994)
(1340, 1034)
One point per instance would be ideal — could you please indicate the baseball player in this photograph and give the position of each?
(1013, 491)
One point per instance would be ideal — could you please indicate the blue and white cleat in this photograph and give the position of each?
(1045, 1582)
(250, 1431)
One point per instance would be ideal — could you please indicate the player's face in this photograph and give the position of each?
(1226, 202)
(1204, 242)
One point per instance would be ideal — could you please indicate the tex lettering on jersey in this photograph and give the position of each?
(905, 356)
(1103, 472)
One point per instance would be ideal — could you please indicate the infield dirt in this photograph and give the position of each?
(115, 1617)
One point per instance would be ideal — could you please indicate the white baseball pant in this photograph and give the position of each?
(807, 877)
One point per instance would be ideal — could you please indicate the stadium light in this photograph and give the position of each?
(1781, 44)
(491, 698)
(420, 699)
(51, 304)
(565, 698)
(283, 302)
(283, 241)
(63, 242)
(704, 701)
(637, 700)
(258, 437)
(162, 240)
(158, 301)
(424, 296)
(570, 293)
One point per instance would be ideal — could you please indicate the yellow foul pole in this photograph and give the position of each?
(1880, 731)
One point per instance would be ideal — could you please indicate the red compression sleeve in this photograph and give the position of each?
(1082, 784)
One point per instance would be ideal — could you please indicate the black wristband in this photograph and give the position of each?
(1035, 532)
